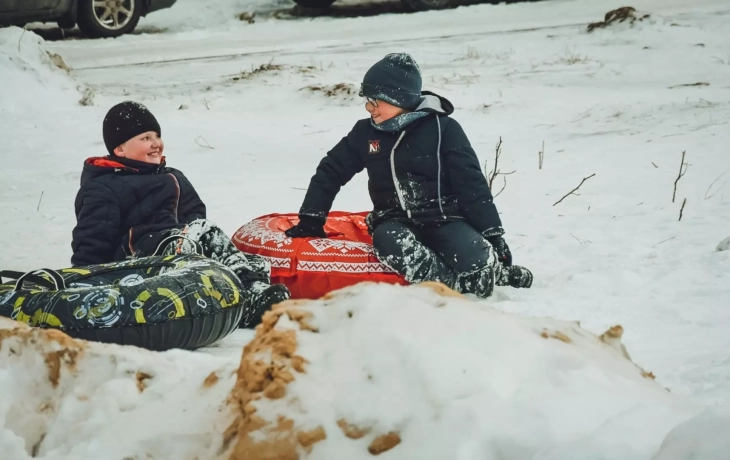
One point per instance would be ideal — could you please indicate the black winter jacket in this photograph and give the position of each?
(125, 207)
(425, 173)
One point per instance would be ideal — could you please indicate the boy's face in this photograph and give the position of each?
(381, 111)
(147, 147)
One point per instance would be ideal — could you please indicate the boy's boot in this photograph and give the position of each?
(261, 297)
(514, 275)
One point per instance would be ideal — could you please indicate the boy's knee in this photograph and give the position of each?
(389, 238)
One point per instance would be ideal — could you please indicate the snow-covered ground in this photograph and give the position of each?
(610, 103)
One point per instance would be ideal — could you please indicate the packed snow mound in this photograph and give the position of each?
(421, 372)
(724, 245)
(71, 399)
(704, 437)
(36, 77)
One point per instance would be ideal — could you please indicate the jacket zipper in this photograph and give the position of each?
(398, 190)
(177, 193)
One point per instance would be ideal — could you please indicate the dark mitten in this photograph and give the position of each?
(308, 226)
(500, 247)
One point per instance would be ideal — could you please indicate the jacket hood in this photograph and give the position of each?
(433, 103)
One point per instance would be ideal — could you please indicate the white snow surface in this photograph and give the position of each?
(610, 102)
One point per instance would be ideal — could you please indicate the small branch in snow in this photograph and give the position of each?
(579, 240)
(572, 192)
(541, 155)
(205, 102)
(682, 171)
(707, 196)
(298, 188)
(682, 209)
(504, 177)
(21, 38)
(664, 241)
(496, 172)
(38, 208)
(657, 167)
(205, 144)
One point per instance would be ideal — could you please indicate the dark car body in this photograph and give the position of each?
(19, 12)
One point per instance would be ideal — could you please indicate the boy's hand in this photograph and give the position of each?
(308, 226)
(500, 247)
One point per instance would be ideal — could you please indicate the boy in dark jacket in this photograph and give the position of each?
(434, 218)
(130, 204)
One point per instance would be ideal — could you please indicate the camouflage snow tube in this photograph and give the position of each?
(158, 303)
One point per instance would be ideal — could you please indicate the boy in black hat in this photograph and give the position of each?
(130, 204)
(434, 218)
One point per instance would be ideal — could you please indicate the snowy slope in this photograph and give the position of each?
(367, 370)
(610, 102)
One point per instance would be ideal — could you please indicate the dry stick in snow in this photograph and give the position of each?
(655, 165)
(38, 208)
(504, 177)
(682, 171)
(713, 183)
(206, 145)
(541, 155)
(496, 172)
(572, 192)
(682, 209)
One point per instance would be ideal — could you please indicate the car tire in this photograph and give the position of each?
(314, 3)
(97, 18)
(67, 21)
(424, 5)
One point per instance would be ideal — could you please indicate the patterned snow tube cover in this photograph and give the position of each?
(312, 267)
(158, 303)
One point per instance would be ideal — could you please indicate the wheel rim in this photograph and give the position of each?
(113, 14)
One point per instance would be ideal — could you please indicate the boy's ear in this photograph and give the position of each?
(119, 151)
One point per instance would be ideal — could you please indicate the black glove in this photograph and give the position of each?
(308, 226)
(500, 247)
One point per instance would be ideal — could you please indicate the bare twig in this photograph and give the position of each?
(205, 144)
(205, 102)
(504, 177)
(579, 240)
(682, 209)
(541, 155)
(664, 241)
(713, 183)
(572, 192)
(38, 208)
(657, 167)
(497, 154)
(21, 38)
(682, 171)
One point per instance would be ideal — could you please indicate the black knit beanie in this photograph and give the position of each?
(126, 120)
(395, 79)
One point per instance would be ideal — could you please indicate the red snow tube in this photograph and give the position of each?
(312, 267)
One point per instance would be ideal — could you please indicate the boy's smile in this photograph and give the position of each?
(146, 147)
(382, 111)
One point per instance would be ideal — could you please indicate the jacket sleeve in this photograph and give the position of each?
(190, 207)
(98, 221)
(471, 187)
(335, 170)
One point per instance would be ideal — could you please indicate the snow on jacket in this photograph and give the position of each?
(125, 207)
(425, 171)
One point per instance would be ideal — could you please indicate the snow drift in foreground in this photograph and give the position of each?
(362, 372)
(33, 77)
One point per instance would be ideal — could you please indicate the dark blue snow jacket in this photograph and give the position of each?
(125, 207)
(426, 172)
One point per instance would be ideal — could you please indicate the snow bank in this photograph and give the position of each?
(33, 77)
(724, 245)
(369, 370)
(701, 438)
(70, 399)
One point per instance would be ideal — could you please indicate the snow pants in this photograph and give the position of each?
(446, 252)
(203, 235)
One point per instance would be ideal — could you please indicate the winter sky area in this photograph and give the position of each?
(248, 109)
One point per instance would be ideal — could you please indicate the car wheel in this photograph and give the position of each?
(314, 3)
(108, 18)
(423, 5)
(67, 21)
